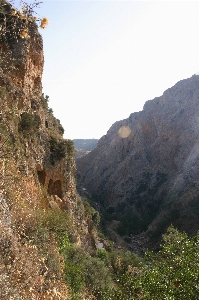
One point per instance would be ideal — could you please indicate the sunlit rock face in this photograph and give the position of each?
(145, 170)
(36, 173)
(21, 71)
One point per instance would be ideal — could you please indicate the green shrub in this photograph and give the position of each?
(120, 260)
(96, 218)
(102, 254)
(97, 276)
(50, 110)
(84, 271)
(171, 273)
(61, 129)
(70, 147)
(74, 277)
(56, 222)
(44, 101)
(58, 149)
(75, 258)
(29, 123)
(90, 212)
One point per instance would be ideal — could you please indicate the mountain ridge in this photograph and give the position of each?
(154, 165)
(84, 146)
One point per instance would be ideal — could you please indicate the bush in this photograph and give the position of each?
(97, 276)
(102, 254)
(58, 149)
(50, 110)
(29, 123)
(61, 129)
(83, 271)
(90, 212)
(54, 222)
(44, 101)
(172, 273)
(70, 147)
(96, 218)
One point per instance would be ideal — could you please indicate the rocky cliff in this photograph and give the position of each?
(145, 170)
(39, 205)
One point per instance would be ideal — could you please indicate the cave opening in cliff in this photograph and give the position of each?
(55, 188)
(41, 176)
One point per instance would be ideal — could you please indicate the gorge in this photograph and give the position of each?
(144, 171)
(140, 178)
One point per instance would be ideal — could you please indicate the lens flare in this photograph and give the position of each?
(124, 131)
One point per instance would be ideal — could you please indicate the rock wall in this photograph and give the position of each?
(36, 171)
(145, 170)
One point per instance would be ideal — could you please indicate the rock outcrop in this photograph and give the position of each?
(145, 171)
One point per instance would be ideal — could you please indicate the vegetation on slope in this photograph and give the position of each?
(43, 249)
(172, 273)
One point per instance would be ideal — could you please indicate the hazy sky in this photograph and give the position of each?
(105, 59)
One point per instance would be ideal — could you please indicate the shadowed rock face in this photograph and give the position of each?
(145, 170)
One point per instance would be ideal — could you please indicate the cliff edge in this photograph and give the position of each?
(40, 210)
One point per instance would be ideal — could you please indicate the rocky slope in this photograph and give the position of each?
(38, 198)
(145, 171)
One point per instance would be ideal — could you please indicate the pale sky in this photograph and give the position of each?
(105, 59)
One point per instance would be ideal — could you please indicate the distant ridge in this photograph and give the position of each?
(84, 146)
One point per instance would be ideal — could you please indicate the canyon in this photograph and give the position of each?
(139, 178)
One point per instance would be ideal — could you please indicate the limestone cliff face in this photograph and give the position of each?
(27, 119)
(36, 173)
(145, 170)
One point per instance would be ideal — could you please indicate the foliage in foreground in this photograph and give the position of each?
(170, 274)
